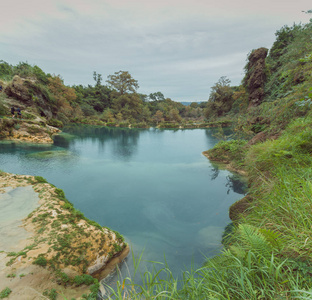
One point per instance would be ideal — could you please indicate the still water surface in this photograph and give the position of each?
(153, 186)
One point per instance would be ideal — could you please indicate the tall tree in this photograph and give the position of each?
(123, 82)
(220, 98)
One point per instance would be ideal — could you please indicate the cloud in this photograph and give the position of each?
(180, 48)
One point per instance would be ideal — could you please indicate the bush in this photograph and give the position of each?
(40, 261)
(83, 279)
(5, 293)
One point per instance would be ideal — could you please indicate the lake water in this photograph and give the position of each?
(153, 186)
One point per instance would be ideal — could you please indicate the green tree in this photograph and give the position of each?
(123, 82)
(158, 96)
(97, 78)
(129, 105)
(6, 70)
(220, 99)
(158, 117)
(174, 115)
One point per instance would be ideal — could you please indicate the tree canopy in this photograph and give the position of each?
(123, 82)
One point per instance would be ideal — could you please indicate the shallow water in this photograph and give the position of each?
(153, 186)
(15, 205)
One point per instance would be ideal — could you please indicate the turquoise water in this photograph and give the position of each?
(153, 186)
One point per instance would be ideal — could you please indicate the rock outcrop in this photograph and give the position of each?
(30, 93)
(256, 76)
(27, 131)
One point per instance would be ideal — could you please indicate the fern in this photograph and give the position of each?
(273, 238)
(253, 240)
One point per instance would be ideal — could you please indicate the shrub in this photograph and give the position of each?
(51, 294)
(5, 293)
(83, 279)
(40, 261)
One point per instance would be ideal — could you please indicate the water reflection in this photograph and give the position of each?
(124, 140)
(15, 147)
(235, 182)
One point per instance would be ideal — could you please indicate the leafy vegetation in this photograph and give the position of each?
(41, 261)
(5, 293)
(40, 179)
(51, 294)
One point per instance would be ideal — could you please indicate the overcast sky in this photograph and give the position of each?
(178, 47)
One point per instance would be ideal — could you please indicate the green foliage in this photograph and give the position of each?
(40, 261)
(229, 151)
(51, 294)
(123, 82)
(63, 278)
(60, 193)
(55, 123)
(117, 247)
(68, 206)
(78, 214)
(292, 147)
(5, 293)
(40, 179)
(94, 291)
(84, 279)
(284, 37)
(291, 66)
(6, 70)
(95, 224)
(119, 237)
(220, 100)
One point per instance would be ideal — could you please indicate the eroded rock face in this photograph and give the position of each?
(31, 94)
(255, 77)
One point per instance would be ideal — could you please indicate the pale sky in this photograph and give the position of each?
(178, 47)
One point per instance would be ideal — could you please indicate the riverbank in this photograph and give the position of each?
(269, 246)
(47, 245)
